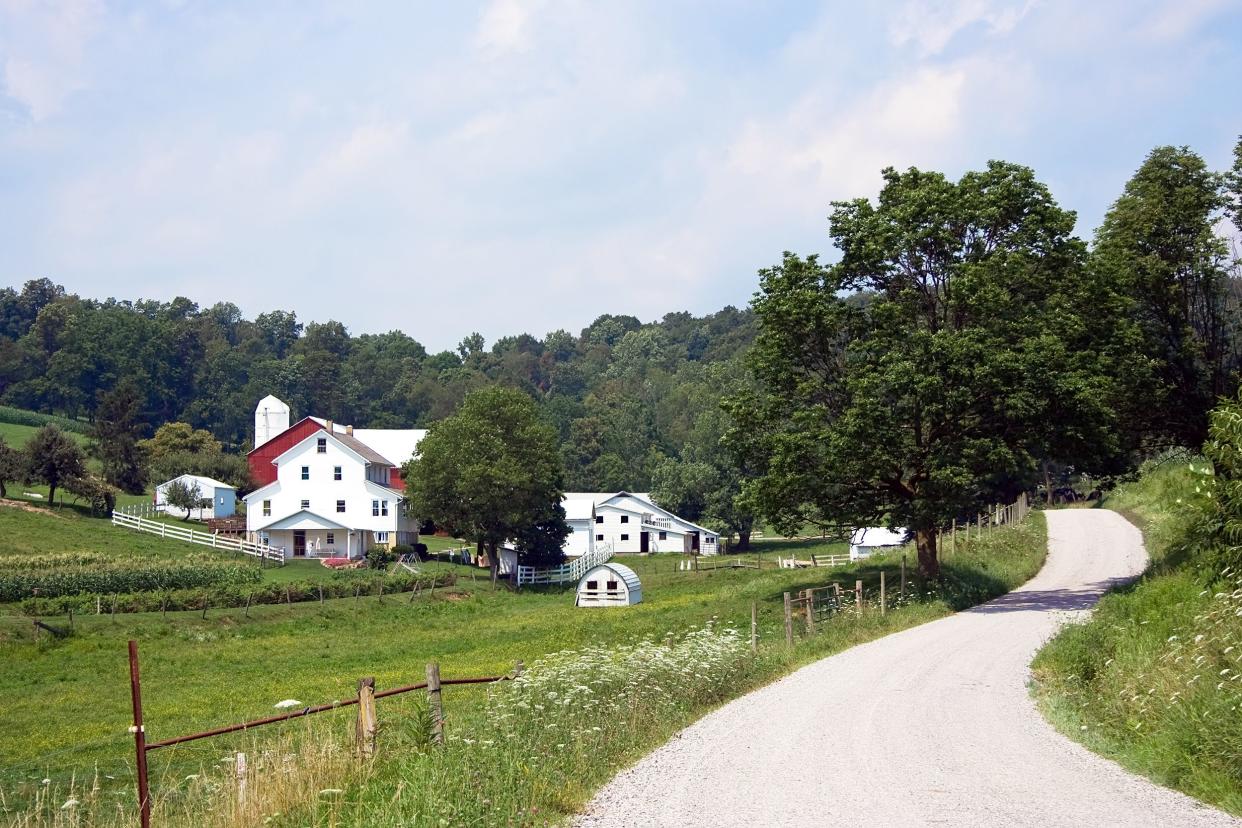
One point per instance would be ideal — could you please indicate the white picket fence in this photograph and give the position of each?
(565, 573)
(184, 533)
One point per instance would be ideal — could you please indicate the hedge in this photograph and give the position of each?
(224, 596)
(15, 586)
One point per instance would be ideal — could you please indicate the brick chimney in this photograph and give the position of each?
(328, 424)
(349, 430)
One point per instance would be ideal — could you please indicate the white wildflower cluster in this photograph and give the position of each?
(1212, 648)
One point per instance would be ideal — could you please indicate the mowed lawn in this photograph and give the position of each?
(68, 701)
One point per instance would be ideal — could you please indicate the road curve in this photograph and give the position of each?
(931, 726)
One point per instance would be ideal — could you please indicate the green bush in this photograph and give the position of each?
(379, 557)
(67, 580)
(234, 595)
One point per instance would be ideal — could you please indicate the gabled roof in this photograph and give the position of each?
(358, 448)
(302, 519)
(203, 482)
(397, 444)
(578, 508)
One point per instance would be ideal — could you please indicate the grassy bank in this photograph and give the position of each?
(527, 758)
(1154, 679)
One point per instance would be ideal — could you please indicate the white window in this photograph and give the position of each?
(264, 538)
(384, 508)
(374, 508)
(267, 508)
(331, 539)
(321, 446)
(599, 537)
(599, 518)
(664, 536)
(305, 504)
(340, 506)
(381, 537)
(336, 472)
(625, 537)
(306, 472)
(711, 541)
(625, 518)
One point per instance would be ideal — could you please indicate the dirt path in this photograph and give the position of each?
(931, 726)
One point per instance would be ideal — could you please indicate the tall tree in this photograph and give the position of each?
(115, 434)
(1159, 245)
(904, 384)
(12, 466)
(491, 473)
(53, 458)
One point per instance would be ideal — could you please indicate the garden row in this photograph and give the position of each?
(99, 580)
(232, 594)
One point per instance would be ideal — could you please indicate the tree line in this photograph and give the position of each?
(963, 345)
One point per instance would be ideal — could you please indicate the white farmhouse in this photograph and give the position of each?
(632, 522)
(327, 490)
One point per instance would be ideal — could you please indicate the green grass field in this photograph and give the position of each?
(68, 700)
(1153, 679)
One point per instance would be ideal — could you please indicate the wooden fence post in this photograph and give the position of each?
(903, 577)
(239, 771)
(809, 596)
(366, 717)
(858, 596)
(953, 539)
(837, 588)
(883, 594)
(754, 627)
(140, 737)
(788, 621)
(434, 703)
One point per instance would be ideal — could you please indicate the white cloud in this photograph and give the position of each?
(1176, 19)
(932, 24)
(44, 51)
(505, 26)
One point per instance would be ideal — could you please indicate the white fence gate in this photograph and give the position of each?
(565, 573)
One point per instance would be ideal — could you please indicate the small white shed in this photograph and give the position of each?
(223, 497)
(865, 541)
(609, 585)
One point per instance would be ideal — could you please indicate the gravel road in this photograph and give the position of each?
(931, 726)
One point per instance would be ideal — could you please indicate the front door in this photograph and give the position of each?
(299, 543)
(644, 543)
(694, 544)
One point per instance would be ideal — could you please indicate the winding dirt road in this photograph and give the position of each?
(931, 726)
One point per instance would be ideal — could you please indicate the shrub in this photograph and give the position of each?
(379, 557)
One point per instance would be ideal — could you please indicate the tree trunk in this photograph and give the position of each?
(1047, 484)
(3, 491)
(493, 560)
(51, 494)
(925, 542)
(743, 540)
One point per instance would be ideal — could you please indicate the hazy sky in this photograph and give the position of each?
(526, 165)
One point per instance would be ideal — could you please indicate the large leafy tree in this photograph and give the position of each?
(491, 473)
(115, 435)
(907, 384)
(12, 466)
(1159, 246)
(53, 458)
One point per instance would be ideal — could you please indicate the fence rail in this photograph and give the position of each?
(184, 533)
(565, 573)
(365, 732)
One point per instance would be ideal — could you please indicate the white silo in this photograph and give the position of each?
(271, 417)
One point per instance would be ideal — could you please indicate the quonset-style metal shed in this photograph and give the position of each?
(609, 585)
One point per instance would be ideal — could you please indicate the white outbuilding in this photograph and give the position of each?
(609, 585)
(865, 541)
(222, 496)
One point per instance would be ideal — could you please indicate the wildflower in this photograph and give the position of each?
(69, 803)
(47, 781)
(286, 704)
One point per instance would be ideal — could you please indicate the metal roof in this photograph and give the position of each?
(202, 481)
(629, 576)
(878, 536)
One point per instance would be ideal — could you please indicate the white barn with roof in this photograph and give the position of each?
(632, 522)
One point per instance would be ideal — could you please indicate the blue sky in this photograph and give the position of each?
(526, 165)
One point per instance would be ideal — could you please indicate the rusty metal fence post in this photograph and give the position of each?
(140, 737)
